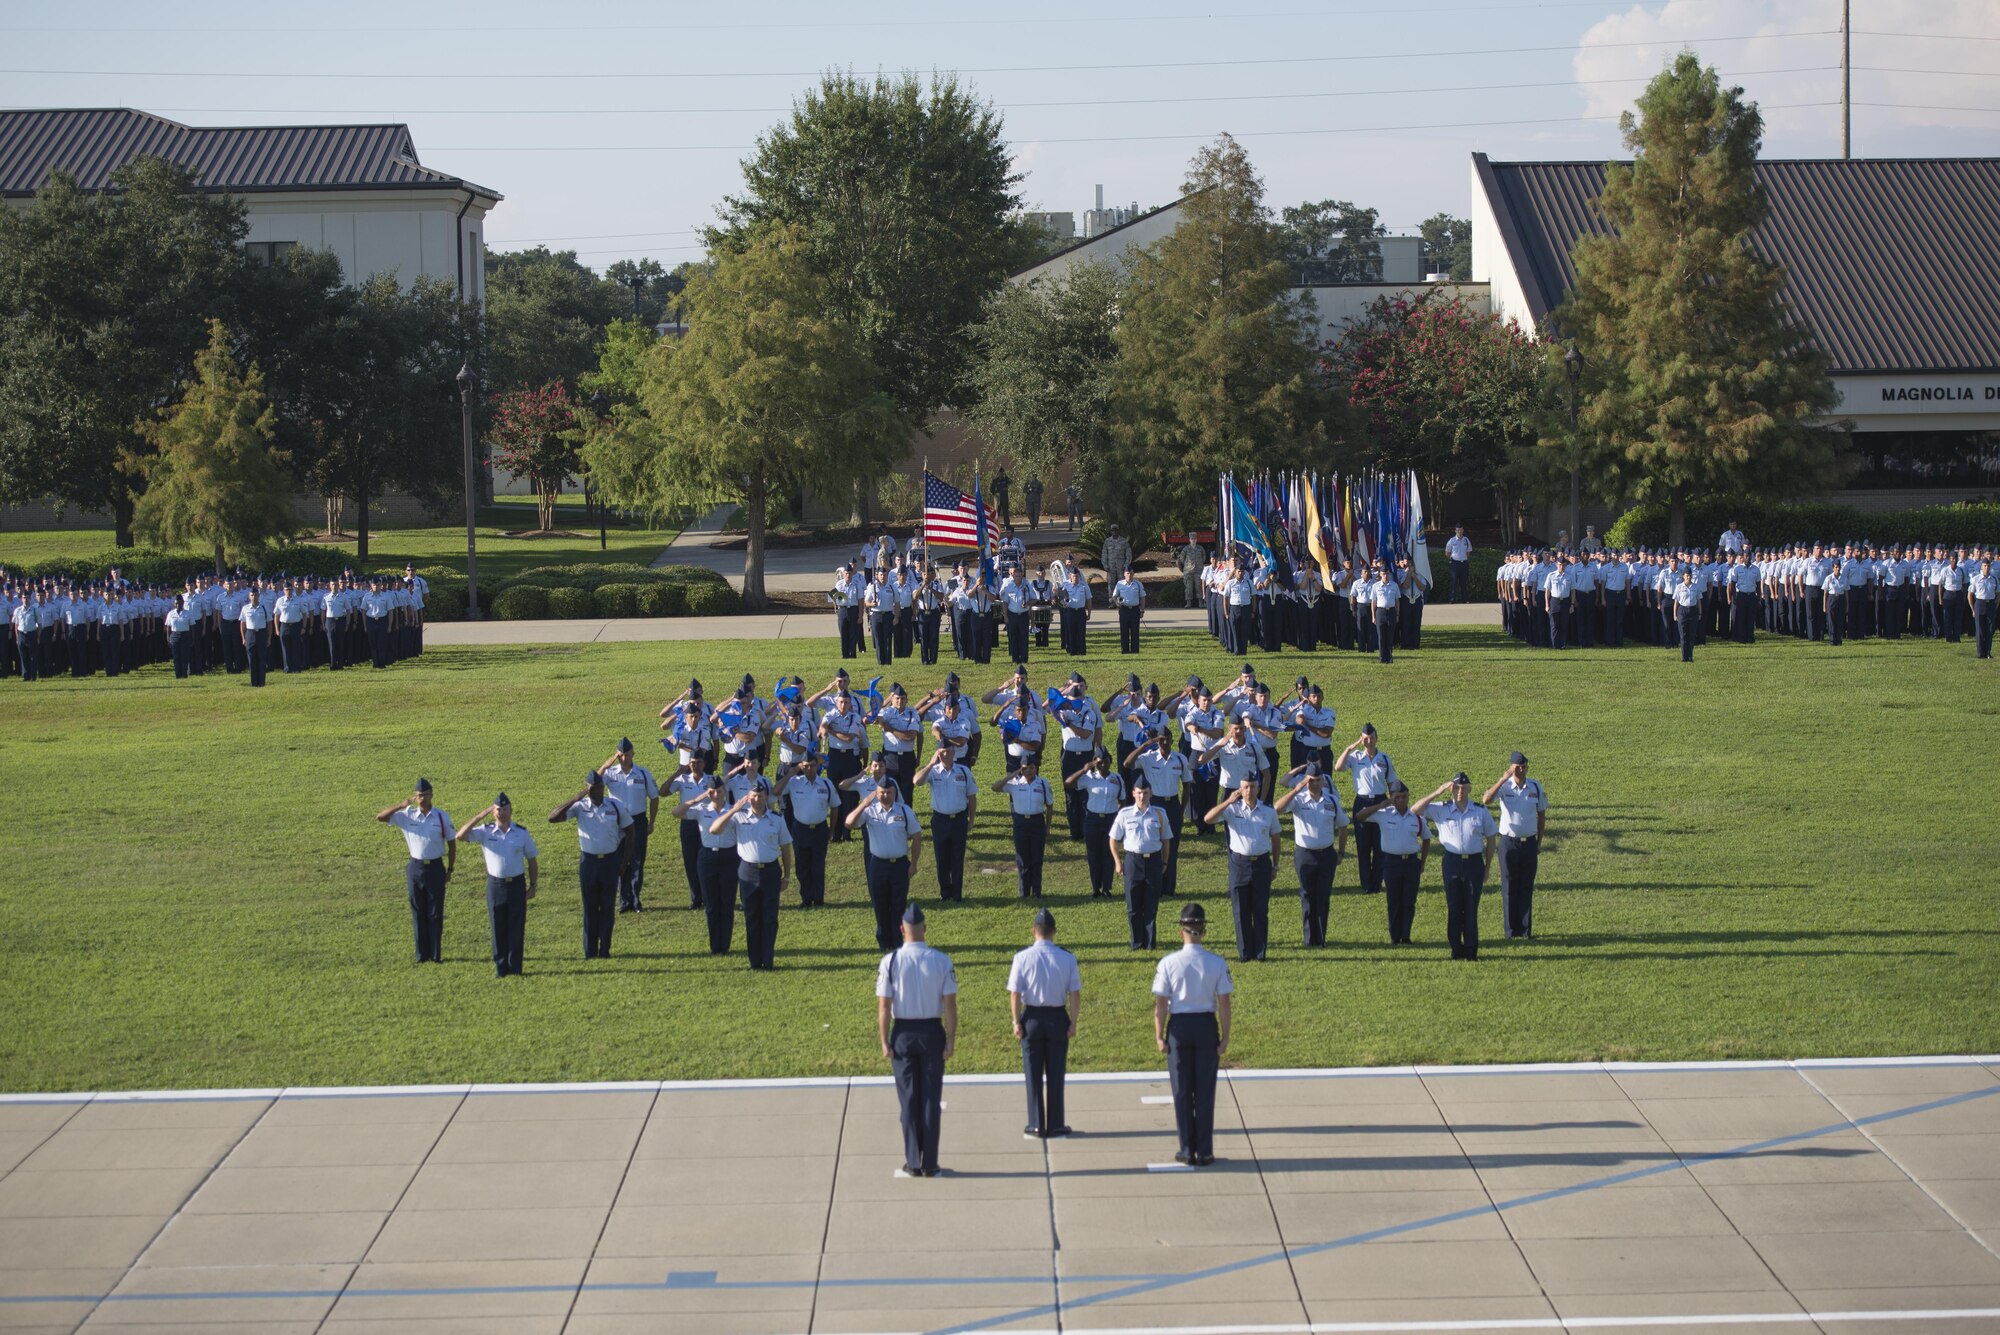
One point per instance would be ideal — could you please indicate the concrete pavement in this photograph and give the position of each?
(1834, 1195)
(813, 625)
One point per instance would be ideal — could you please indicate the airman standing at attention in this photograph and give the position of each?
(1405, 844)
(1191, 995)
(1138, 837)
(1373, 772)
(511, 874)
(1044, 993)
(1253, 832)
(433, 857)
(916, 1020)
(763, 865)
(1032, 801)
(892, 849)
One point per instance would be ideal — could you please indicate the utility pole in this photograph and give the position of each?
(1846, 81)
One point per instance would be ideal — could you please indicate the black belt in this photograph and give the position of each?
(928, 1021)
(612, 854)
(1400, 855)
(1058, 1007)
(427, 862)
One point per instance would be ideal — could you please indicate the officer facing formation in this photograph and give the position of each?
(916, 1019)
(433, 857)
(1191, 991)
(1044, 995)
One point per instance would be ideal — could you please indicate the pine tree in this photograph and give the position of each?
(1698, 379)
(214, 478)
(1218, 368)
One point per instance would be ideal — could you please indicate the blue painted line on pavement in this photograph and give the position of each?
(1158, 1283)
(1131, 1285)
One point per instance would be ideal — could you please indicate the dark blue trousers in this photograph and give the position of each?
(1401, 873)
(916, 1056)
(948, 852)
(1250, 903)
(1519, 860)
(632, 878)
(1193, 1059)
(1315, 867)
(1045, 1060)
(1144, 875)
(1464, 882)
(598, 875)
(758, 884)
(507, 912)
(718, 896)
(426, 885)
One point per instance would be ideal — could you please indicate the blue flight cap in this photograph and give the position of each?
(914, 915)
(423, 785)
(501, 801)
(1045, 920)
(592, 778)
(624, 746)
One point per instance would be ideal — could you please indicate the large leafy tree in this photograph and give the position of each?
(534, 434)
(386, 415)
(1332, 241)
(771, 389)
(1043, 374)
(1698, 380)
(1218, 368)
(545, 312)
(212, 477)
(1433, 384)
(104, 301)
(905, 194)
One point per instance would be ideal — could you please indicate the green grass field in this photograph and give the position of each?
(500, 557)
(1777, 851)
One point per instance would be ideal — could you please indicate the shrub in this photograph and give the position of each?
(567, 603)
(618, 600)
(712, 600)
(444, 602)
(688, 575)
(591, 577)
(436, 573)
(1168, 594)
(1089, 542)
(521, 602)
(1769, 524)
(662, 600)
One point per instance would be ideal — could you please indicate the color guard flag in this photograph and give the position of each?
(951, 518)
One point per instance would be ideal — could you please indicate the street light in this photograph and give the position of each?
(1573, 363)
(638, 282)
(471, 496)
(598, 405)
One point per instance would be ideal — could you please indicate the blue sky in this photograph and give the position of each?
(1378, 102)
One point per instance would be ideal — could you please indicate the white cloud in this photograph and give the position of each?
(1926, 115)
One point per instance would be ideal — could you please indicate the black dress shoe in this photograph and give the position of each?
(1060, 1131)
(1203, 1160)
(1182, 1156)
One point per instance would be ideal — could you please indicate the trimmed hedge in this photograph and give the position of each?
(662, 600)
(1767, 523)
(713, 600)
(617, 600)
(1169, 594)
(521, 602)
(444, 602)
(567, 603)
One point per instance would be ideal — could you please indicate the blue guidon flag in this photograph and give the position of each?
(951, 518)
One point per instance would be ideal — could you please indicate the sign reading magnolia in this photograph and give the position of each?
(1938, 393)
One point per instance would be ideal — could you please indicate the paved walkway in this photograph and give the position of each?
(816, 625)
(1816, 1195)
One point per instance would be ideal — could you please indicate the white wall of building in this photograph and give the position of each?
(405, 233)
(1490, 263)
(1109, 248)
(1341, 304)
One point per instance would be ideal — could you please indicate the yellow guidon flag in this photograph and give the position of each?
(1316, 542)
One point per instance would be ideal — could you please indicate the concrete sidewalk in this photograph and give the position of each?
(811, 625)
(1840, 1195)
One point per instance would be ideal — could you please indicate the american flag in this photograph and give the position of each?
(951, 518)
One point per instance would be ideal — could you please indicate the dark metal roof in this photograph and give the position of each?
(92, 143)
(1888, 260)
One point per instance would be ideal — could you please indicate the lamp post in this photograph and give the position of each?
(598, 403)
(1573, 363)
(471, 496)
(638, 283)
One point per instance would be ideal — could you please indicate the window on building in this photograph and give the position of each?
(269, 252)
(1968, 459)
